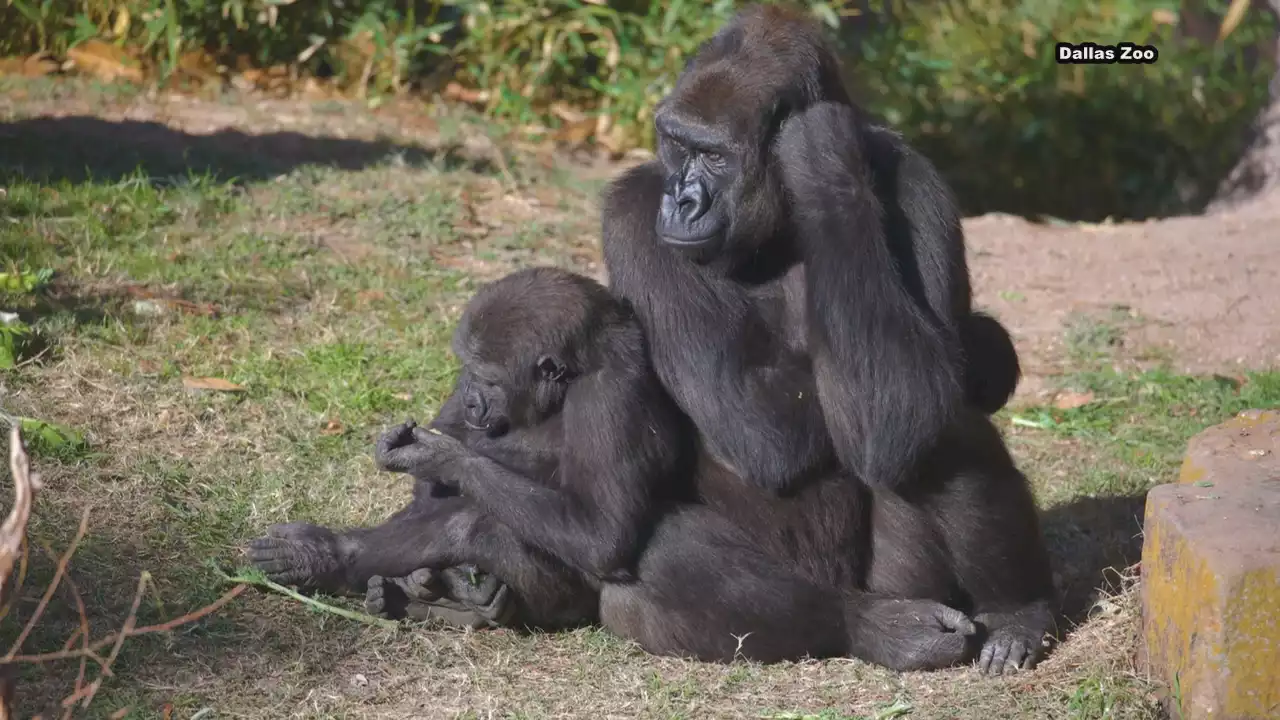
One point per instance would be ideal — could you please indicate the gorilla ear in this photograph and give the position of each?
(551, 368)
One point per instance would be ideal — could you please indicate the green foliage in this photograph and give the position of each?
(378, 42)
(46, 439)
(975, 85)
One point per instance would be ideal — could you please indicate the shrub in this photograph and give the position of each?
(972, 83)
(975, 85)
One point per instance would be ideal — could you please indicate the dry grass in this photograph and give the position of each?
(335, 290)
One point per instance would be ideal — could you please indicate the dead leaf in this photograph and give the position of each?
(1230, 21)
(104, 61)
(167, 712)
(454, 91)
(1164, 16)
(149, 367)
(333, 427)
(122, 712)
(576, 133)
(37, 65)
(210, 383)
(1069, 400)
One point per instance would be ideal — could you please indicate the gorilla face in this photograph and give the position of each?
(496, 397)
(701, 168)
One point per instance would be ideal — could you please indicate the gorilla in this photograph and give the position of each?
(569, 480)
(800, 275)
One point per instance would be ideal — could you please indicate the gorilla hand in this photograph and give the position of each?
(300, 554)
(389, 452)
(418, 451)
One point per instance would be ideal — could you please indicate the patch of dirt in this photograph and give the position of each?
(1203, 291)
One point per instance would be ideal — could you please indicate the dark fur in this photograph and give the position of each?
(571, 486)
(800, 275)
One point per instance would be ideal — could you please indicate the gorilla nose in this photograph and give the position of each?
(476, 410)
(692, 201)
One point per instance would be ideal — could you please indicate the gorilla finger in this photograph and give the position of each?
(421, 584)
(956, 621)
(984, 659)
(263, 543)
(1032, 659)
(287, 530)
(1017, 652)
(1000, 653)
(429, 435)
(274, 565)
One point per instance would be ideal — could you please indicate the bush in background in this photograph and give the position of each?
(973, 83)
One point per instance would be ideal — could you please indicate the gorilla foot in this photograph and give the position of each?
(461, 597)
(1014, 641)
(299, 554)
(915, 635)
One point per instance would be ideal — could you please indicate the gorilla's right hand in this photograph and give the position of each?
(915, 634)
(300, 554)
(391, 452)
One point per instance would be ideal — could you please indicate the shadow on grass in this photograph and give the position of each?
(243, 638)
(48, 150)
(1092, 540)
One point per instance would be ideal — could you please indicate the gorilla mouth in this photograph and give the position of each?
(692, 242)
(472, 426)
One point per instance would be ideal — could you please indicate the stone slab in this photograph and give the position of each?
(1243, 449)
(1211, 573)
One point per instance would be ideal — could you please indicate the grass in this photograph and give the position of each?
(328, 295)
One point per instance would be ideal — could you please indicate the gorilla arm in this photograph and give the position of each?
(621, 445)
(753, 402)
(888, 365)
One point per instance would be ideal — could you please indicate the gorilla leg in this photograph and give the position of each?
(971, 537)
(315, 557)
(435, 533)
(547, 593)
(702, 592)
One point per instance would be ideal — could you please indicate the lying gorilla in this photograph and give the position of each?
(571, 472)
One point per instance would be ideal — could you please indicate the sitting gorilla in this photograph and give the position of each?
(800, 274)
(570, 478)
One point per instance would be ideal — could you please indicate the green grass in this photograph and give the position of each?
(335, 292)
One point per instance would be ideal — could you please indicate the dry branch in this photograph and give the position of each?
(13, 544)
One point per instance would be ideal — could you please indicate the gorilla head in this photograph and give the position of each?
(522, 340)
(716, 130)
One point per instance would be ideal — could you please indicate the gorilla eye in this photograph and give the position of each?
(714, 158)
(550, 368)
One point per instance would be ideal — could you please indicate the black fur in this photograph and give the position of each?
(570, 470)
(807, 304)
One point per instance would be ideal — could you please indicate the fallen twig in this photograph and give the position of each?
(14, 545)
(50, 590)
(110, 638)
(253, 579)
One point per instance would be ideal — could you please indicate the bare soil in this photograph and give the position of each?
(1202, 293)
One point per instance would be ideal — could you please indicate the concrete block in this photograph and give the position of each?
(1245, 448)
(1211, 573)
